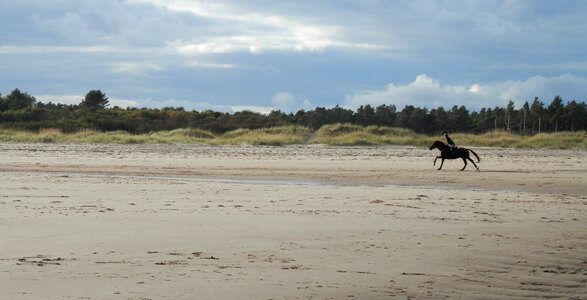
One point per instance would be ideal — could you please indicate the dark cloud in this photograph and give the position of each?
(255, 53)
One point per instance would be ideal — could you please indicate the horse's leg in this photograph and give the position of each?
(436, 159)
(474, 164)
(465, 161)
(441, 162)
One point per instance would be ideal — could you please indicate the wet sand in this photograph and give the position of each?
(299, 222)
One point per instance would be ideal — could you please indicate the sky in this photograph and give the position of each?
(263, 55)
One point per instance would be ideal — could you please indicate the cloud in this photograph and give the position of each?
(286, 102)
(124, 103)
(569, 87)
(202, 106)
(136, 68)
(425, 91)
(479, 53)
(210, 65)
(24, 50)
(240, 29)
(62, 99)
(76, 99)
(71, 26)
(283, 101)
(151, 103)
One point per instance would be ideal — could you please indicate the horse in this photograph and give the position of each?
(447, 153)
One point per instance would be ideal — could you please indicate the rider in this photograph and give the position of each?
(450, 142)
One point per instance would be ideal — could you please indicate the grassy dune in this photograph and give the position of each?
(112, 137)
(268, 136)
(355, 135)
(349, 135)
(336, 135)
(275, 136)
(559, 140)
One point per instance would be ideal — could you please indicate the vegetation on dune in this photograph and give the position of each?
(334, 135)
(351, 135)
(502, 139)
(274, 136)
(560, 140)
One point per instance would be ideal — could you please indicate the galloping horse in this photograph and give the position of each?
(447, 153)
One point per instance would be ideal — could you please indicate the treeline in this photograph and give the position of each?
(20, 110)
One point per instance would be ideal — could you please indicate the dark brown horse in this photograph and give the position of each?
(447, 153)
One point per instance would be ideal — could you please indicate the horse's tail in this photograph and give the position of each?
(477, 156)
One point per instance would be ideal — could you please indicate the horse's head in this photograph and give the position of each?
(437, 144)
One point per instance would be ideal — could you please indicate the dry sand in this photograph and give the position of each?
(300, 222)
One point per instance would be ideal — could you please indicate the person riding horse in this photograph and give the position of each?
(451, 151)
(450, 142)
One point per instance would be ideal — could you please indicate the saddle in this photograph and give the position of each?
(453, 151)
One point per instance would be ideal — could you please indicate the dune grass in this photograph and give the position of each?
(111, 137)
(557, 140)
(275, 136)
(334, 135)
(355, 135)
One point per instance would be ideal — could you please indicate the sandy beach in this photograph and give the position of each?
(294, 222)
